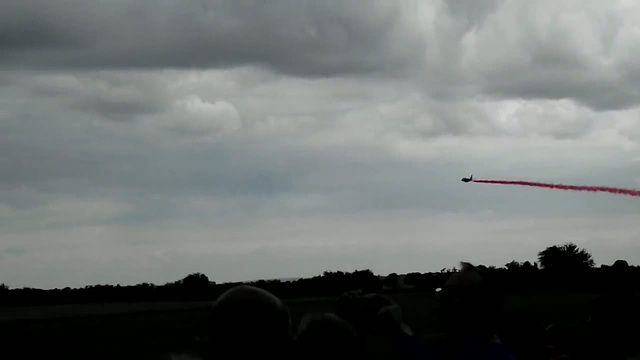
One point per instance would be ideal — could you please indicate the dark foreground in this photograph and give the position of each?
(156, 330)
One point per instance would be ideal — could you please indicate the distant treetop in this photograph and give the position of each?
(565, 257)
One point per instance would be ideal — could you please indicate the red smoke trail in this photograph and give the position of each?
(611, 190)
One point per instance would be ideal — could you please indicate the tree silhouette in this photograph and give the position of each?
(512, 265)
(391, 280)
(195, 280)
(527, 265)
(565, 257)
(620, 264)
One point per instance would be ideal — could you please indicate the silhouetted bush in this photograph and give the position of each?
(565, 258)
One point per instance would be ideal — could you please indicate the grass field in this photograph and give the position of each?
(149, 330)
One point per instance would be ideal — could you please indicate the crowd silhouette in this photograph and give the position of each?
(251, 320)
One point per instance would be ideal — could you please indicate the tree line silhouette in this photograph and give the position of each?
(560, 269)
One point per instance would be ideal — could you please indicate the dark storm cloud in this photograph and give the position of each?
(300, 37)
(546, 50)
(36, 25)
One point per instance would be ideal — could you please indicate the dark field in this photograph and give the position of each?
(155, 330)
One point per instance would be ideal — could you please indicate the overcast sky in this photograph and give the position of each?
(142, 141)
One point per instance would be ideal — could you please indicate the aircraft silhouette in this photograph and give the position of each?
(470, 178)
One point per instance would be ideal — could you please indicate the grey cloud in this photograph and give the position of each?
(20, 196)
(115, 96)
(522, 51)
(80, 159)
(14, 251)
(581, 86)
(34, 25)
(117, 109)
(456, 49)
(53, 150)
(251, 177)
(472, 13)
(297, 37)
(198, 117)
(412, 97)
